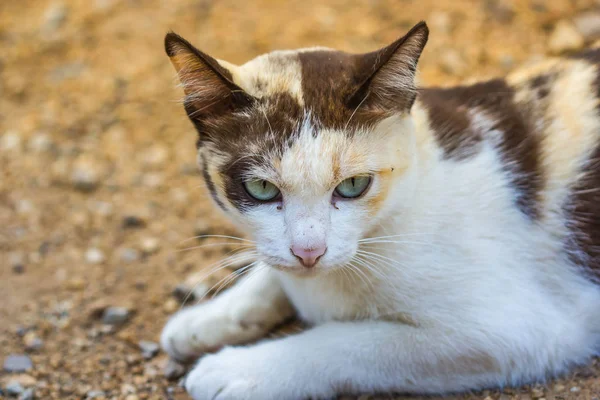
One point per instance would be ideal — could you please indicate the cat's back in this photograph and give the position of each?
(543, 123)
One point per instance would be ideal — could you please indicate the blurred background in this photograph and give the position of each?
(99, 189)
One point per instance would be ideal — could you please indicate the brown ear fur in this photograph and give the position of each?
(387, 76)
(208, 86)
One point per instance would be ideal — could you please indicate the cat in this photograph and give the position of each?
(437, 240)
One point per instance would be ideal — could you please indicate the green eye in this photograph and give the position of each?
(353, 187)
(261, 190)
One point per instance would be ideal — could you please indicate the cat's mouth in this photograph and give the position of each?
(296, 270)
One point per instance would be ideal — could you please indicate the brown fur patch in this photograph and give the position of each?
(583, 206)
(388, 74)
(583, 211)
(450, 123)
(210, 185)
(375, 202)
(249, 139)
(451, 117)
(358, 90)
(208, 86)
(329, 79)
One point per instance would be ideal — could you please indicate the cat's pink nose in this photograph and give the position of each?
(308, 256)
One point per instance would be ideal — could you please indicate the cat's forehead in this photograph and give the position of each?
(320, 81)
(301, 110)
(296, 72)
(301, 133)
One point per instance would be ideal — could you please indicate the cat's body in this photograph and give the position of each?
(469, 261)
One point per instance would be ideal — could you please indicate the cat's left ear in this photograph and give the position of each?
(387, 76)
(207, 83)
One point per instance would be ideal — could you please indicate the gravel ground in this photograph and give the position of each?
(99, 190)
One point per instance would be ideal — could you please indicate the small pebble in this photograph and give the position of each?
(66, 71)
(75, 284)
(81, 343)
(500, 10)
(537, 393)
(155, 156)
(507, 61)
(183, 293)
(452, 62)
(150, 245)
(107, 329)
(95, 309)
(102, 208)
(202, 229)
(85, 176)
(32, 342)
(575, 389)
(54, 17)
(14, 388)
(564, 38)
(129, 255)
(28, 394)
(559, 388)
(179, 196)
(40, 143)
(24, 380)
(152, 180)
(115, 315)
(186, 293)
(94, 256)
(133, 221)
(10, 142)
(173, 370)
(588, 25)
(440, 22)
(149, 349)
(94, 394)
(18, 269)
(24, 207)
(17, 263)
(170, 306)
(17, 363)
(150, 371)
(188, 169)
(22, 330)
(128, 388)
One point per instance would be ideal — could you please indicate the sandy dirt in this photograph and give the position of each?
(98, 185)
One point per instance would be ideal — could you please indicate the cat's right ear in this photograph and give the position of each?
(388, 74)
(208, 86)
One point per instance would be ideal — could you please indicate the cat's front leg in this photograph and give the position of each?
(345, 357)
(243, 313)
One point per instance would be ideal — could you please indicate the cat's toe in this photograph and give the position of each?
(176, 338)
(209, 326)
(193, 332)
(228, 375)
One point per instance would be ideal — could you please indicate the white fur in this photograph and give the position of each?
(460, 291)
(227, 320)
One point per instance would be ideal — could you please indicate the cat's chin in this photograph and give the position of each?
(300, 271)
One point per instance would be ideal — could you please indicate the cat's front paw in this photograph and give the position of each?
(209, 326)
(246, 373)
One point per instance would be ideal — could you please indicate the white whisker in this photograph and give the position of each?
(217, 236)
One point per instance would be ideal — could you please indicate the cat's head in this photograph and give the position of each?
(308, 150)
